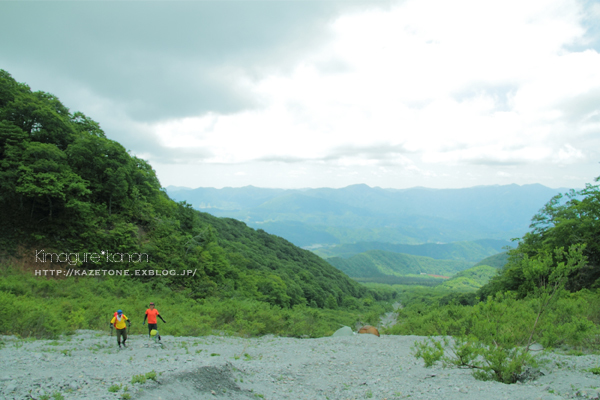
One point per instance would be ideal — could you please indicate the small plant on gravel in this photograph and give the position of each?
(151, 375)
(58, 396)
(214, 354)
(126, 396)
(66, 352)
(114, 388)
(141, 379)
(430, 350)
(595, 371)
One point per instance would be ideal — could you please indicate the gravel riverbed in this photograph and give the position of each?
(89, 365)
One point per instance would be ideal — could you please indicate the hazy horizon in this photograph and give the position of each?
(364, 184)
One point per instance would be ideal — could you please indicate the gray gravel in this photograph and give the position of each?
(86, 365)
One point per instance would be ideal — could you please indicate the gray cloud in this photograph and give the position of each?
(158, 60)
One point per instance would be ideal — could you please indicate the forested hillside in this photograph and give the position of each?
(497, 260)
(380, 263)
(471, 279)
(66, 191)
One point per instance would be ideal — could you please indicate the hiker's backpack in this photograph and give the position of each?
(115, 323)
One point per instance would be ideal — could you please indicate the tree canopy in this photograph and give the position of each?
(567, 221)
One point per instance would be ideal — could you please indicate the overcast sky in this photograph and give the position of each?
(295, 94)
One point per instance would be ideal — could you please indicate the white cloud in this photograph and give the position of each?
(451, 82)
(568, 154)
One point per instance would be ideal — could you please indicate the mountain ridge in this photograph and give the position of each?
(362, 213)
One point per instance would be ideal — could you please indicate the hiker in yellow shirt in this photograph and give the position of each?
(118, 322)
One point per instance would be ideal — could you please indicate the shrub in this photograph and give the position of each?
(114, 388)
(496, 337)
(141, 379)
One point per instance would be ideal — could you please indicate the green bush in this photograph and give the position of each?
(141, 379)
(151, 375)
(495, 336)
(114, 388)
(430, 350)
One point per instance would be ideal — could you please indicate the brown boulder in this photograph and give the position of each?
(369, 329)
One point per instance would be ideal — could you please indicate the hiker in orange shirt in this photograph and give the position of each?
(118, 321)
(151, 314)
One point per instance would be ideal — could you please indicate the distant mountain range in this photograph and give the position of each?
(359, 213)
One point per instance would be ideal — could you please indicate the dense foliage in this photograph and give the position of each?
(494, 337)
(53, 307)
(566, 220)
(67, 191)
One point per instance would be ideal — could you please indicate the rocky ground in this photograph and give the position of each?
(89, 365)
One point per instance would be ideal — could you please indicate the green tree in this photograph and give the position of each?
(46, 175)
(105, 165)
(86, 124)
(566, 220)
